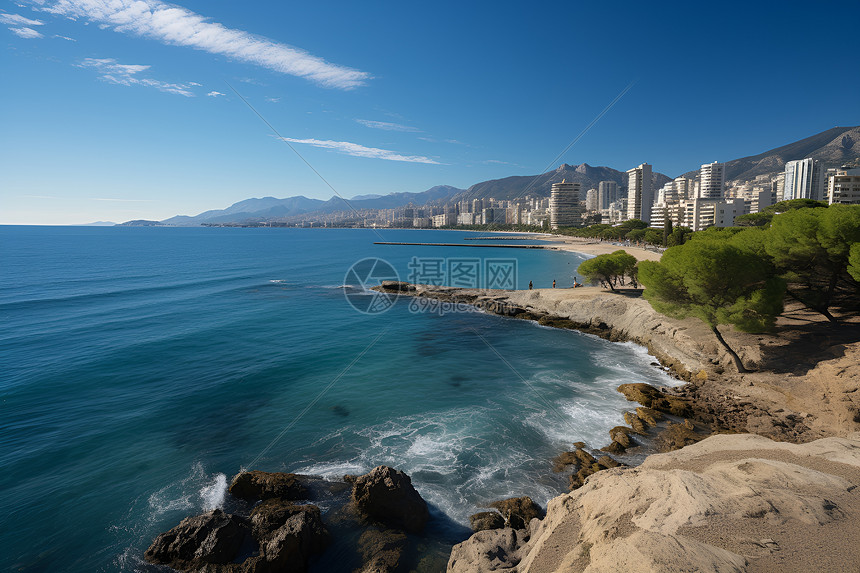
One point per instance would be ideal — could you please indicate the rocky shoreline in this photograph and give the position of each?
(722, 503)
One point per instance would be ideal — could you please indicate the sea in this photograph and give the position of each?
(141, 368)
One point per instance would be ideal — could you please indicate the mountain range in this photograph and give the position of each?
(834, 147)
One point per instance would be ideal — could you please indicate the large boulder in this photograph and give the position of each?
(385, 494)
(214, 537)
(517, 511)
(486, 520)
(289, 548)
(272, 514)
(255, 485)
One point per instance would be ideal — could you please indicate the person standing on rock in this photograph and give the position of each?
(530, 285)
(553, 283)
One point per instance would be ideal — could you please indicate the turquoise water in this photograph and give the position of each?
(140, 368)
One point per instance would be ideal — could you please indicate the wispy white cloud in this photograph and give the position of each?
(357, 150)
(19, 20)
(273, 99)
(27, 33)
(215, 94)
(194, 84)
(385, 125)
(65, 38)
(178, 26)
(127, 75)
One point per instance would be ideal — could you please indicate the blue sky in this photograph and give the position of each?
(120, 109)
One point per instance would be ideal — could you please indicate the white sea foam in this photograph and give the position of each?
(198, 490)
(213, 494)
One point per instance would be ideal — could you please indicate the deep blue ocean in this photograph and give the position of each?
(141, 368)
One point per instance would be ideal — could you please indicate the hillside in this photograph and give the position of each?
(521, 185)
(833, 148)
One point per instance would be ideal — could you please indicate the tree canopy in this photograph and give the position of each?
(609, 269)
(717, 282)
(810, 249)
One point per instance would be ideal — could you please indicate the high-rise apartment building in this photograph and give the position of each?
(803, 180)
(607, 192)
(640, 193)
(591, 200)
(564, 209)
(712, 180)
(844, 187)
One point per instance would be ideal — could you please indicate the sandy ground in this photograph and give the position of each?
(594, 247)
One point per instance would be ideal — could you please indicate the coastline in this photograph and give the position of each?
(805, 390)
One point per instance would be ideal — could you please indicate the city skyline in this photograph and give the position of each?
(118, 110)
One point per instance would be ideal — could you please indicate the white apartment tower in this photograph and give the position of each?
(591, 200)
(712, 180)
(803, 180)
(564, 210)
(844, 187)
(607, 192)
(640, 193)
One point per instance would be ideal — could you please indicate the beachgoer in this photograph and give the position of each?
(530, 285)
(553, 283)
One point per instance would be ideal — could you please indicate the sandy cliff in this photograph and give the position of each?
(729, 503)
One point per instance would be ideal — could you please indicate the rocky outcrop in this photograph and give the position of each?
(256, 485)
(728, 503)
(212, 538)
(396, 286)
(485, 520)
(517, 511)
(387, 495)
(290, 546)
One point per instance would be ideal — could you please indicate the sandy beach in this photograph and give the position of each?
(596, 247)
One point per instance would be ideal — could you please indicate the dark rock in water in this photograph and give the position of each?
(397, 286)
(649, 416)
(517, 511)
(614, 448)
(486, 520)
(583, 456)
(635, 422)
(621, 434)
(381, 551)
(651, 397)
(289, 547)
(387, 495)
(212, 538)
(563, 460)
(607, 462)
(272, 514)
(255, 485)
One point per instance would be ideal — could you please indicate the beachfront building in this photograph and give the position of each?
(699, 213)
(607, 192)
(564, 209)
(712, 180)
(591, 201)
(844, 187)
(640, 193)
(803, 180)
